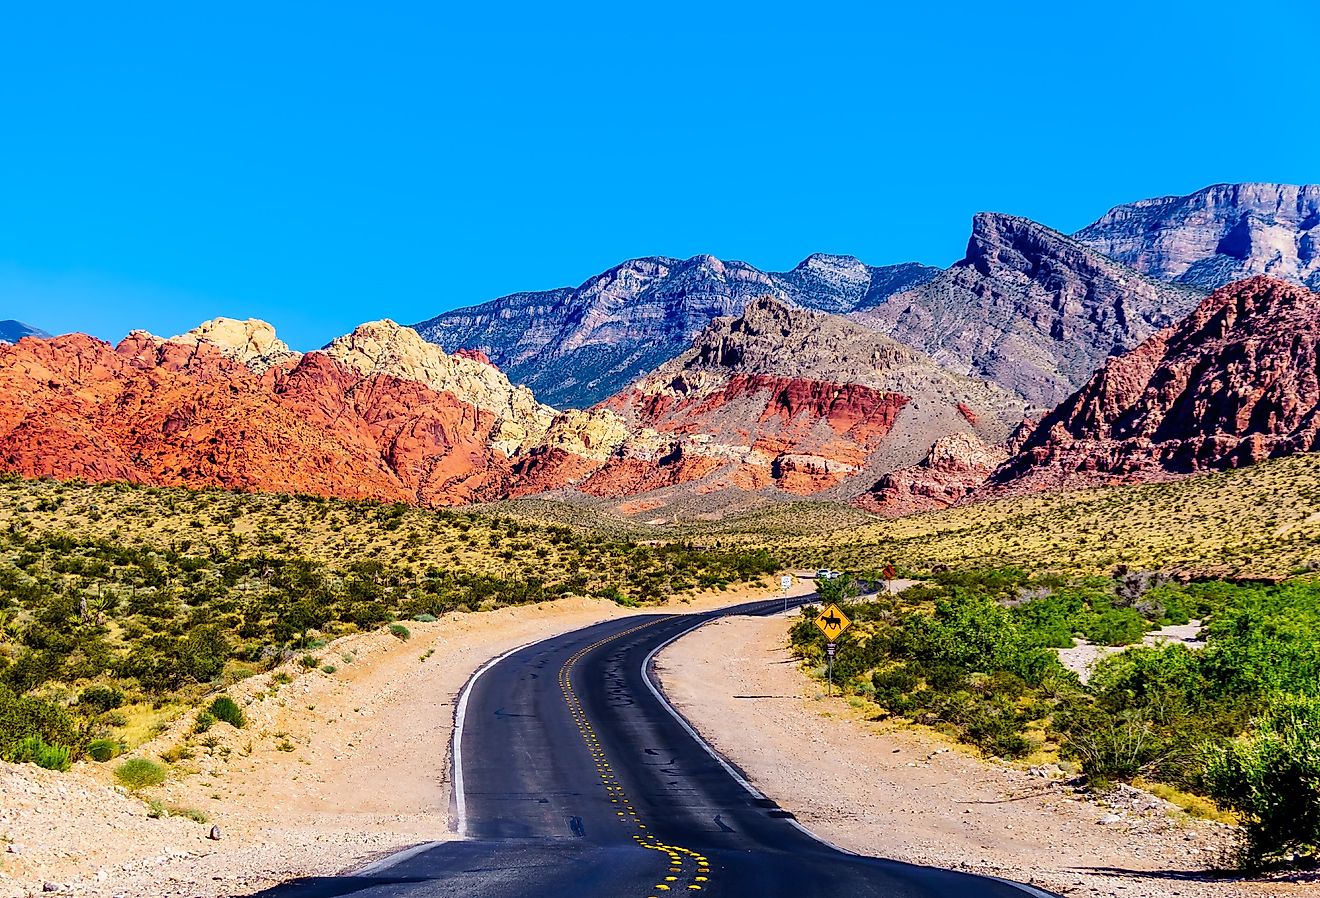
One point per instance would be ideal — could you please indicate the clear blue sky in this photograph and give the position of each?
(322, 164)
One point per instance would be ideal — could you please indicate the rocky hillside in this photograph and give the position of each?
(12, 331)
(1236, 382)
(576, 346)
(955, 467)
(795, 399)
(379, 414)
(1030, 309)
(1217, 235)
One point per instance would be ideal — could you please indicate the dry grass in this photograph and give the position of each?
(1262, 521)
(1256, 522)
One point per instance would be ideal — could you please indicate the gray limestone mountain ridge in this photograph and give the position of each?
(1222, 233)
(1028, 307)
(578, 346)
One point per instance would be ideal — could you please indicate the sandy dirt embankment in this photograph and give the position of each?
(913, 796)
(331, 771)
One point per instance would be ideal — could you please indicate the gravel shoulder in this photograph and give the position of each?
(913, 796)
(332, 770)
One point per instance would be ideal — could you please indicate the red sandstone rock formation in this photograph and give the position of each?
(1235, 382)
(955, 467)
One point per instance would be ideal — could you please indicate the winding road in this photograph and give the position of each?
(574, 777)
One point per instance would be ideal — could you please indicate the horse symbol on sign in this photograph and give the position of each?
(832, 621)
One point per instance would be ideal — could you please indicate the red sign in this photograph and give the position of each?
(889, 572)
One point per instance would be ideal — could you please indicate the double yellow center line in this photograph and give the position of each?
(698, 874)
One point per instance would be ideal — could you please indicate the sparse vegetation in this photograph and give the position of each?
(1256, 522)
(140, 773)
(122, 606)
(226, 709)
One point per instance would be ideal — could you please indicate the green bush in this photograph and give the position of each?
(1272, 776)
(1114, 626)
(101, 698)
(1110, 747)
(104, 749)
(226, 709)
(400, 631)
(205, 720)
(23, 716)
(140, 773)
(34, 750)
(424, 618)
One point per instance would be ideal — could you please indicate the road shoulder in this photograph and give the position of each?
(914, 797)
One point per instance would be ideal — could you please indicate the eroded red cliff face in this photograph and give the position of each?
(953, 469)
(809, 434)
(1235, 382)
(159, 412)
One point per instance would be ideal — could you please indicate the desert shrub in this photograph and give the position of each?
(193, 814)
(309, 662)
(101, 699)
(893, 685)
(226, 709)
(24, 716)
(140, 773)
(424, 618)
(104, 749)
(1272, 776)
(205, 720)
(35, 750)
(1114, 626)
(1109, 747)
(400, 631)
(176, 753)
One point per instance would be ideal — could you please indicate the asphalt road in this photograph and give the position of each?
(573, 777)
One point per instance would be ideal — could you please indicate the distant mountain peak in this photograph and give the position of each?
(12, 331)
(1030, 308)
(251, 342)
(1219, 234)
(830, 261)
(575, 347)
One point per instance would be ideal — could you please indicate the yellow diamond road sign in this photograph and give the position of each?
(832, 621)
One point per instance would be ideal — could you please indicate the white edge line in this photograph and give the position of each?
(456, 740)
(456, 753)
(398, 857)
(742, 780)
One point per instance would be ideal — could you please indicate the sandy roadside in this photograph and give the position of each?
(332, 769)
(915, 797)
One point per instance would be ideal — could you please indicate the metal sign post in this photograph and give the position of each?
(832, 622)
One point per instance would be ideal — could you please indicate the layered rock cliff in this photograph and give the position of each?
(801, 400)
(252, 342)
(383, 347)
(378, 414)
(577, 346)
(1237, 381)
(1214, 236)
(955, 467)
(1030, 309)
